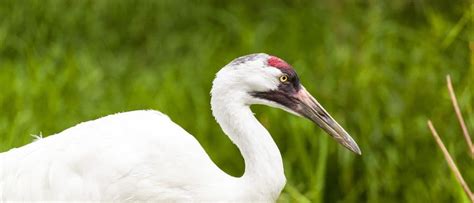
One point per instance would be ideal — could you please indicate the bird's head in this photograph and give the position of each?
(269, 80)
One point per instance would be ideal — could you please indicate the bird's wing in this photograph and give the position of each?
(138, 155)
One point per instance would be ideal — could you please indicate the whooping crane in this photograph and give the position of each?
(144, 156)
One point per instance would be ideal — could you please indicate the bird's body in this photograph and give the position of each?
(117, 157)
(144, 156)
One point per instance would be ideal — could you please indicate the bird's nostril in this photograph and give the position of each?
(321, 114)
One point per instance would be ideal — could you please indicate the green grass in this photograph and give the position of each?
(378, 67)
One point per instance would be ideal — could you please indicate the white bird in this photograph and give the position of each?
(144, 156)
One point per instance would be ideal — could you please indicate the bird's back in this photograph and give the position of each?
(138, 155)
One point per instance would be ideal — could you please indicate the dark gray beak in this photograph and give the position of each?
(308, 106)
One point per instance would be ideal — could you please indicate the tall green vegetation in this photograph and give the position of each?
(378, 67)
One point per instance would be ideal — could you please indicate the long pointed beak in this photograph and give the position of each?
(309, 107)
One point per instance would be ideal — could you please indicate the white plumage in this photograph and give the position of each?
(144, 156)
(138, 155)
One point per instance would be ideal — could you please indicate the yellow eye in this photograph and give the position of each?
(283, 78)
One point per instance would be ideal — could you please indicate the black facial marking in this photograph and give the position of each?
(293, 83)
(285, 94)
(278, 96)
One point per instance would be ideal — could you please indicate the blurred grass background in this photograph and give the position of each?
(378, 66)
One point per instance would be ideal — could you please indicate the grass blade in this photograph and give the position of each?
(450, 161)
(454, 101)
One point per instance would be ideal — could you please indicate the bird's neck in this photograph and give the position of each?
(263, 163)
